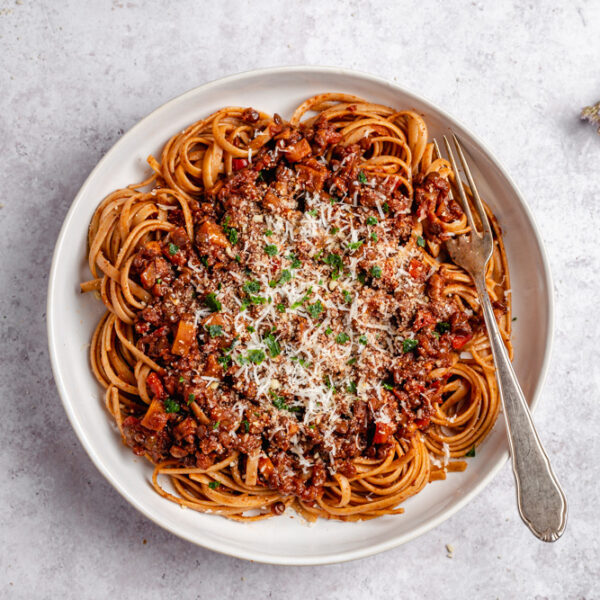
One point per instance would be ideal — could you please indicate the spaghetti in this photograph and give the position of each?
(284, 327)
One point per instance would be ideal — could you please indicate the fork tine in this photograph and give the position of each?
(460, 187)
(477, 200)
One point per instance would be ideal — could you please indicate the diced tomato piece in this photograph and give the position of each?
(210, 233)
(184, 337)
(423, 318)
(239, 163)
(382, 433)
(460, 339)
(155, 417)
(296, 152)
(265, 466)
(416, 269)
(148, 276)
(421, 423)
(155, 384)
(213, 368)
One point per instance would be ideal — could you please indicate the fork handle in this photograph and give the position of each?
(541, 501)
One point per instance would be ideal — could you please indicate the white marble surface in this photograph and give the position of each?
(75, 75)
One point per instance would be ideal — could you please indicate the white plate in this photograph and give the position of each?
(72, 316)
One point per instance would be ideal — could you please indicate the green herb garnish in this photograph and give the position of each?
(214, 330)
(371, 221)
(171, 406)
(256, 356)
(211, 301)
(315, 309)
(271, 249)
(443, 327)
(173, 249)
(471, 452)
(342, 338)
(355, 245)
(272, 344)
(251, 287)
(376, 271)
(409, 345)
(362, 177)
(420, 242)
(213, 485)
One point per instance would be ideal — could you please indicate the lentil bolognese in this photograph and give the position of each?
(284, 327)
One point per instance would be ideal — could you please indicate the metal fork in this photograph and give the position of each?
(541, 501)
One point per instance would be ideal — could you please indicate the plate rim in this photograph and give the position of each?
(258, 556)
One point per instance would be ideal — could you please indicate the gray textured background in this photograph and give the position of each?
(75, 75)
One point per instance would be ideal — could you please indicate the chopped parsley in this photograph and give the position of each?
(181, 379)
(355, 245)
(211, 301)
(280, 403)
(191, 398)
(342, 338)
(272, 344)
(409, 344)
(328, 331)
(334, 230)
(371, 221)
(173, 249)
(376, 271)
(347, 296)
(171, 406)
(420, 242)
(224, 361)
(280, 308)
(251, 287)
(442, 327)
(246, 425)
(213, 485)
(216, 425)
(387, 386)
(271, 249)
(214, 330)
(230, 232)
(286, 275)
(385, 208)
(315, 309)
(256, 356)
(250, 328)
(352, 361)
(268, 233)
(312, 212)
(296, 263)
(374, 237)
(362, 177)
(363, 340)
(352, 387)
(471, 452)
(303, 299)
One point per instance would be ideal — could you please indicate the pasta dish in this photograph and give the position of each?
(284, 327)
